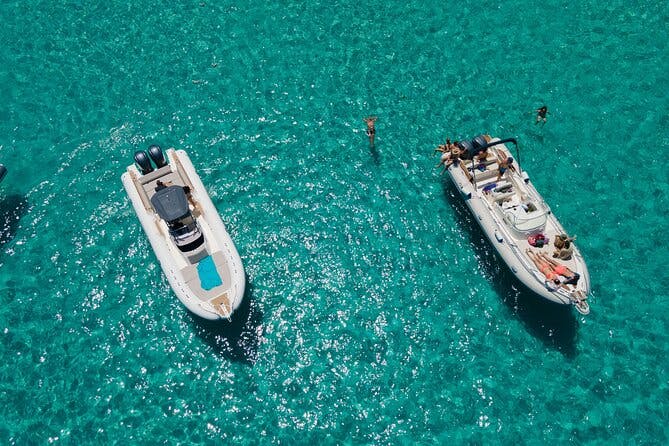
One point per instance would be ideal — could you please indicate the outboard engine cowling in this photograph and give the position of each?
(479, 142)
(157, 155)
(143, 162)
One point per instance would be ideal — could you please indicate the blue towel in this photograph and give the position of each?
(209, 277)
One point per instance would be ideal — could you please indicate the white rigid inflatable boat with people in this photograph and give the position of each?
(186, 232)
(517, 221)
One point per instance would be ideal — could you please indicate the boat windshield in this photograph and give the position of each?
(183, 230)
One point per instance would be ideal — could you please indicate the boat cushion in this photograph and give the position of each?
(209, 277)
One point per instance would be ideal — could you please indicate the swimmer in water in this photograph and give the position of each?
(371, 131)
(541, 114)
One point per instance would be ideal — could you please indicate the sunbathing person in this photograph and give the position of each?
(544, 267)
(562, 270)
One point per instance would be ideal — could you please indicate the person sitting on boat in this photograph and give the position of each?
(464, 153)
(160, 185)
(564, 253)
(571, 278)
(563, 247)
(444, 148)
(505, 165)
(482, 156)
(448, 158)
(561, 239)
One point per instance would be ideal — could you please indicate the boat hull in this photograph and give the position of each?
(171, 261)
(511, 246)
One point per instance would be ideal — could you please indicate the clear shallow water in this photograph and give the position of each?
(376, 312)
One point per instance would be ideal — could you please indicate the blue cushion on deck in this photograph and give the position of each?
(209, 277)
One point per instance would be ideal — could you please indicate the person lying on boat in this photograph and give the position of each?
(561, 270)
(544, 267)
(505, 165)
(553, 270)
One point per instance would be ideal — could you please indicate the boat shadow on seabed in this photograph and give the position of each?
(238, 339)
(554, 324)
(12, 208)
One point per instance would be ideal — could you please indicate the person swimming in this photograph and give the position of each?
(371, 131)
(541, 114)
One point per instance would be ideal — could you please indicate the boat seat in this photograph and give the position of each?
(222, 266)
(499, 198)
(486, 175)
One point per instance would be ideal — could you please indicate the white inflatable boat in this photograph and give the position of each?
(186, 232)
(517, 221)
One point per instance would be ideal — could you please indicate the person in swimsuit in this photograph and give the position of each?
(504, 166)
(565, 252)
(371, 131)
(544, 267)
(561, 270)
(443, 148)
(482, 155)
(541, 114)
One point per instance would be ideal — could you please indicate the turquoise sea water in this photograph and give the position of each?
(376, 313)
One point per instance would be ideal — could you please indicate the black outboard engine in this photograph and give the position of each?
(143, 162)
(156, 154)
(3, 172)
(478, 143)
